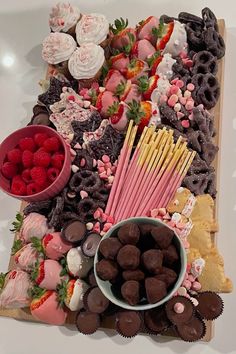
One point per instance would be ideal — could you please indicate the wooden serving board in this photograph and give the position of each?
(25, 315)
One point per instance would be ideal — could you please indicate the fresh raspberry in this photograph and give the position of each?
(26, 176)
(18, 187)
(51, 144)
(39, 175)
(52, 173)
(27, 158)
(27, 144)
(57, 160)
(9, 170)
(40, 138)
(33, 188)
(14, 156)
(42, 158)
(16, 178)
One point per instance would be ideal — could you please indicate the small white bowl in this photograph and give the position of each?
(105, 286)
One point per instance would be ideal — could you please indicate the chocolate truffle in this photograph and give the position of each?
(156, 320)
(162, 235)
(152, 260)
(90, 244)
(91, 278)
(106, 269)
(179, 309)
(136, 274)
(128, 323)
(74, 231)
(110, 247)
(95, 301)
(210, 305)
(192, 331)
(129, 234)
(170, 255)
(145, 229)
(167, 275)
(130, 292)
(128, 257)
(87, 322)
(155, 290)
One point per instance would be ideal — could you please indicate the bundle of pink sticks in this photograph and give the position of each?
(150, 178)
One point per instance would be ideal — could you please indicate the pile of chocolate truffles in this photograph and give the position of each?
(141, 261)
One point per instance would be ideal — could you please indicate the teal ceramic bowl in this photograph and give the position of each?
(106, 286)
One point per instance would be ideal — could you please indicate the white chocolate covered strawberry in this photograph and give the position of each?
(120, 62)
(78, 264)
(71, 293)
(14, 287)
(143, 49)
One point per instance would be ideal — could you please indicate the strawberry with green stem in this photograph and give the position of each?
(17, 224)
(163, 33)
(113, 79)
(47, 274)
(25, 256)
(142, 49)
(123, 36)
(71, 293)
(52, 245)
(144, 29)
(45, 307)
(147, 85)
(142, 113)
(119, 62)
(117, 115)
(130, 92)
(136, 69)
(104, 100)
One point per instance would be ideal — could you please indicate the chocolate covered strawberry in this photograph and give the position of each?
(143, 49)
(136, 69)
(131, 92)
(45, 307)
(147, 85)
(113, 79)
(14, 288)
(71, 293)
(124, 37)
(25, 256)
(119, 62)
(163, 33)
(117, 116)
(77, 263)
(105, 100)
(144, 29)
(144, 113)
(33, 225)
(47, 274)
(52, 245)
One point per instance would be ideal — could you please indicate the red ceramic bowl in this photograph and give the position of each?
(10, 143)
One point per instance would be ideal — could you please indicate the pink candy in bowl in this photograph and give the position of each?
(50, 190)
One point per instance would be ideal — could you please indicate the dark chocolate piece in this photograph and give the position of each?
(155, 290)
(128, 323)
(110, 247)
(95, 301)
(74, 231)
(129, 234)
(179, 317)
(90, 244)
(128, 257)
(106, 269)
(87, 322)
(152, 260)
(163, 236)
(156, 320)
(136, 274)
(130, 292)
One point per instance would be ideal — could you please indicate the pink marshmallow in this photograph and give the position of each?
(174, 89)
(185, 123)
(190, 87)
(189, 105)
(173, 100)
(196, 286)
(179, 83)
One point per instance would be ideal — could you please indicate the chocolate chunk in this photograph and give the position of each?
(129, 257)
(90, 244)
(210, 305)
(163, 236)
(87, 322)
(152, 260)
(110, 247)
(74, 231)
(128, 323)
(106, 269)
(156, 320)
(155, 290)
(129, 234)
(192, 331)
(179, 309)
(167, 275)
(170, 255)
(130, 292)
(136, 274)
(95, 301)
